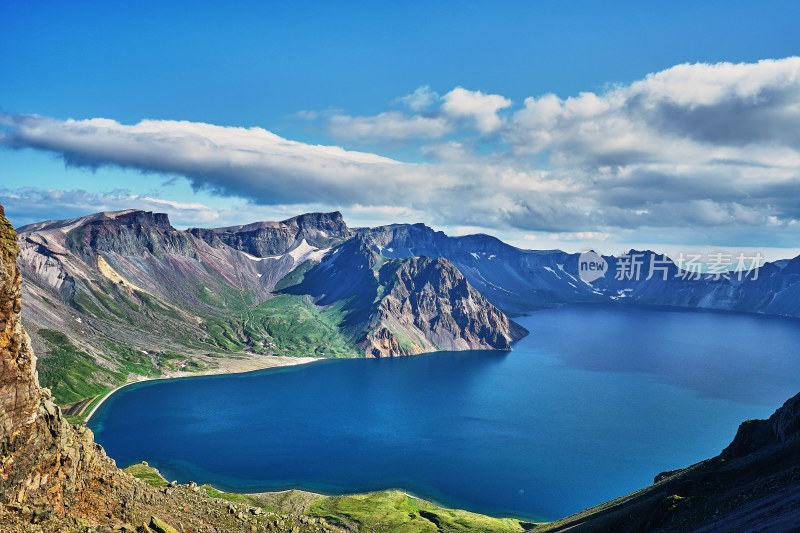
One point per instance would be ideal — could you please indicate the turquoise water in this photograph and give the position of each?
(593, 404)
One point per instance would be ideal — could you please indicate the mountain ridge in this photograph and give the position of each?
(129, 294)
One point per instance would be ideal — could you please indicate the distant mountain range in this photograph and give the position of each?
(125, 293)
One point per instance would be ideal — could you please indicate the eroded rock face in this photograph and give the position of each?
(429, 305)
(18, 395)
(133, 233)
(45, 462)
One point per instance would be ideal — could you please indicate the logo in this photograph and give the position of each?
(591, 266)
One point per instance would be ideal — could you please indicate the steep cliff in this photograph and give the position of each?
(782, 427)
(49, 469)
(428, 305)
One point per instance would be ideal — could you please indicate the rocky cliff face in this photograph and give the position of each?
(129, 233)
(427, 305)
(780, 428)
(48, 468)
(514, 280)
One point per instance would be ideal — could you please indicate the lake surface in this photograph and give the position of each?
(592, 405)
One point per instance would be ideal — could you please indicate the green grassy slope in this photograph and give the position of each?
(390, 511)
(398, 512)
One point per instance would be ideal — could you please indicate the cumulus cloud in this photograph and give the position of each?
(700, 145)
(475, 106)
(430, 117)
(688, 114)
(421, 99)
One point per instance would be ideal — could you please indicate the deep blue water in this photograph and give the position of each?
(593, 404)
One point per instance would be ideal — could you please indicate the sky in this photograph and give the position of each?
(573, 125)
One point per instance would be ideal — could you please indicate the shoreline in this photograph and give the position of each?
(234, 366)
(335, 494)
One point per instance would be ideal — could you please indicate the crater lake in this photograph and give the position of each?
(595, 402)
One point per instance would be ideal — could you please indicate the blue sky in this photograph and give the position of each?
(567, 124)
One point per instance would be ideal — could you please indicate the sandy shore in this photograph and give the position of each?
(234, 364)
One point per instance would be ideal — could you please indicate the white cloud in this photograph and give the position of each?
(420, 100)
(252, 163)
(475, 106)
(431, 117)
(389, 126)
(687, 114)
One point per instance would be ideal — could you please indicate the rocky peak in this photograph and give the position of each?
(144, 218)
(332, 223)
(265, 239)
(428, 305)
(405, 240)
(401, 236)
(416, 272)
(129, 233)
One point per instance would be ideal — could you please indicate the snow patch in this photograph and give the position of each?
(561, 268)
(301, 253)
(305, 251)
(489, 283)
(552, 272)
